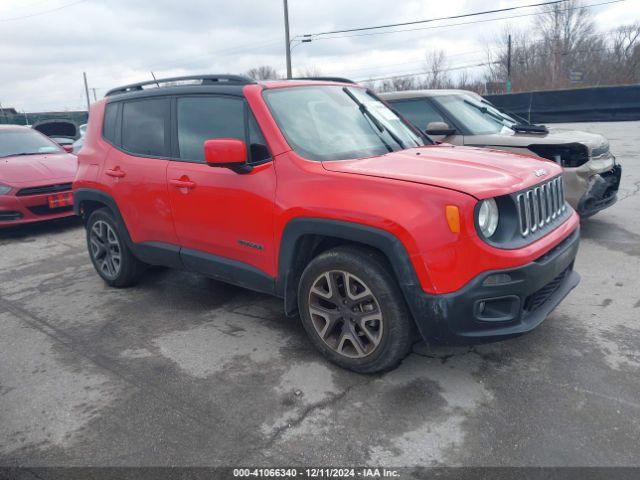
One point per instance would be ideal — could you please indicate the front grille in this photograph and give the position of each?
(45, 210)
(9, 216)
(536, 299)
(541, 205)
(60, 187)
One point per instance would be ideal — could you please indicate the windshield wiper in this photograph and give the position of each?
(485, 110)
(529, 128)
(378, 124)
(523, 126)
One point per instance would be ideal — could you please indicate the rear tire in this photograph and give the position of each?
(109, 252)
(353, 310)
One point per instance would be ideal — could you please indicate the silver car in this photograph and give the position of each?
(460, 117)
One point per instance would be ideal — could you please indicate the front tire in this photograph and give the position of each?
(109, 252)
(353, 311)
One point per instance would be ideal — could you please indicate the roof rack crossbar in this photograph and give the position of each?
(205, 80)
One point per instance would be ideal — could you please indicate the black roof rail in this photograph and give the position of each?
(205, 80)
(326, 79)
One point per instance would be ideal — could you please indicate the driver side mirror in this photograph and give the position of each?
(227, 153)
(67, 148)
(440, 128)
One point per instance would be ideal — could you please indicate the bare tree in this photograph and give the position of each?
(397, 84)
(559, 50)
(625, 52)
(566, 29)
(308, 72)
(436, 67)
(264, 72)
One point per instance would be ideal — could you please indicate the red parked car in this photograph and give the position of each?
(36, 175)
(318, 193)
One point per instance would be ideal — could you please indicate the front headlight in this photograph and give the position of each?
(4, 189)
(600, 150)
(488, 217)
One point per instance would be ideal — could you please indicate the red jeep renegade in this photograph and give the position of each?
(317, 192)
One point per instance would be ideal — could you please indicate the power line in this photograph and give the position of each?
(416, 74)
(225, 51)
(465, 23)
(42, 12)
(348, 73)
(359, 29)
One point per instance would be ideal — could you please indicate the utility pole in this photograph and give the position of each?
(286, 38)
(86, 91)
(509, 66)
(95, 97)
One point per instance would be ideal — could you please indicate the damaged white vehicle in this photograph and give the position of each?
(591, 173)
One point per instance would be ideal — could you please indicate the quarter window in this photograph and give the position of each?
(258, 150)
(144, 125)
(110, 121)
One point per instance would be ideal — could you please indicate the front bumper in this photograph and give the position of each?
(15, 210)
(493, 306)
(602, 192)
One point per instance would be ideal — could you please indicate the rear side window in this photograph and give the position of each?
(419, 112)
(206, 118)
(109, 124)
(144, 126)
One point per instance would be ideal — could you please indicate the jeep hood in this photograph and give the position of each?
(482, 173)
(35, 169)
(556, 136)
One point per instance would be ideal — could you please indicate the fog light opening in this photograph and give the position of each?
(497, 279)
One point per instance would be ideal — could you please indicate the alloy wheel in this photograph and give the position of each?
(105, 249)
(346, 314)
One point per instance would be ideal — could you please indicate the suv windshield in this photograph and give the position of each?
(479, 118)
(337, 123)
(25, 142)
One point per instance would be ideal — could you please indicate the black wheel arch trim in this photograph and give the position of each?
(153, 253)
(387, 243)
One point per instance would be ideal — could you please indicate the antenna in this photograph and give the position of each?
(155, 79)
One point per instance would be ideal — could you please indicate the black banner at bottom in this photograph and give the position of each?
(210, 473)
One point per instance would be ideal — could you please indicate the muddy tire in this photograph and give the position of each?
(109, 252)
(353, 310)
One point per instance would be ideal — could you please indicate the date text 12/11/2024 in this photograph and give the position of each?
(316, 472)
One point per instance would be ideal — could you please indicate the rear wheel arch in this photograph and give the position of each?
(87, 200)
(305, 238)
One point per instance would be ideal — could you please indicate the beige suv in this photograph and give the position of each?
(591, 174)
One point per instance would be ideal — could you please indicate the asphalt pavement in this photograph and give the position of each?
(183, 370)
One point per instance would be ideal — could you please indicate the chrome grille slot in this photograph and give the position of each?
(541, 205)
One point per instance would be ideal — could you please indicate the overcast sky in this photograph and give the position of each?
(45, 45)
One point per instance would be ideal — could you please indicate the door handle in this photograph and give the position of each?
(116, 173)
(182, 183)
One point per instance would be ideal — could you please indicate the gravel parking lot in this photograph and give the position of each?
(182, 370)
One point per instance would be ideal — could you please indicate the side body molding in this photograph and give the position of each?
(174, 256)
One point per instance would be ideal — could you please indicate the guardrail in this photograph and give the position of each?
(594, 104)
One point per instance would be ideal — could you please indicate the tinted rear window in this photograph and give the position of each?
(143, 126)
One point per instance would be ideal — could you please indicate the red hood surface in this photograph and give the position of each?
(482, 173)
(36, 169)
